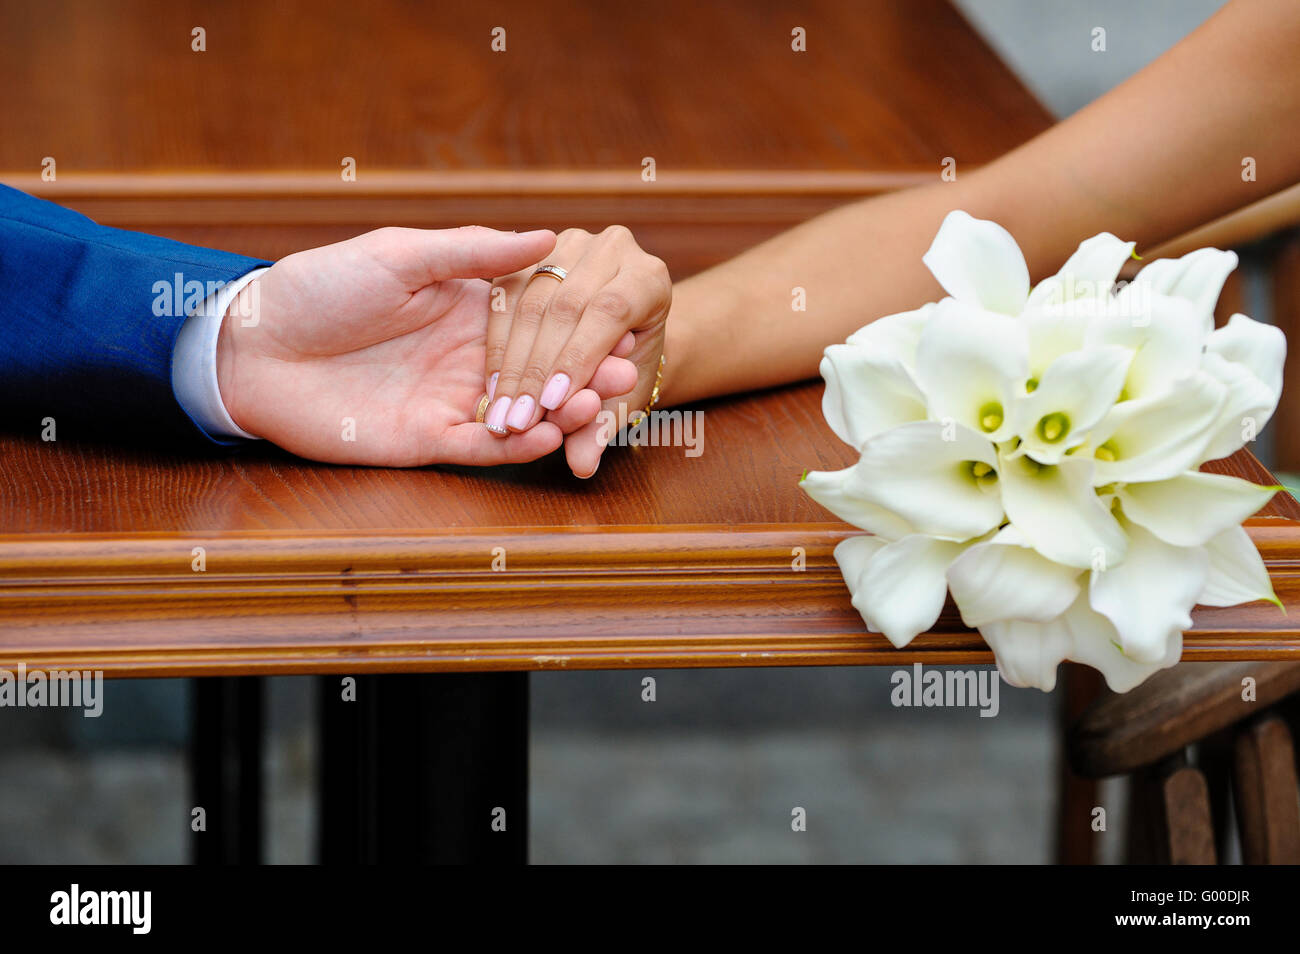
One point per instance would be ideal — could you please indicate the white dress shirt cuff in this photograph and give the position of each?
(194, 364)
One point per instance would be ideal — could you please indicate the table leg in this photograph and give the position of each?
(226, 770)
(1076, 842)
(424, 768)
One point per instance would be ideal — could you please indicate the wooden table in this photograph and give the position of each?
(661, 559)
(240, 146)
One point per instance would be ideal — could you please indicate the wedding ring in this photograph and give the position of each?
(482, 409)
(554, 271)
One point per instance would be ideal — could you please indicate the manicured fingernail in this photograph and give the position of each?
(521, 415)
(593, 470)
(496, 418)
(492, 384)
(555, 390)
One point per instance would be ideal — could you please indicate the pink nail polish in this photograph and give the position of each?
(521, 415)
(492, 384)
(496, 417)
(555, 390)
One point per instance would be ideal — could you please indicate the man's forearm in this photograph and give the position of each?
(1157, 156)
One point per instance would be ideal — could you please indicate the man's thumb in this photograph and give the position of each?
(472, 251)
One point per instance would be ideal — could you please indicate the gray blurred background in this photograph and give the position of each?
(709, 772)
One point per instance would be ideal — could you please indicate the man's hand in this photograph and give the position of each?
(371, 351)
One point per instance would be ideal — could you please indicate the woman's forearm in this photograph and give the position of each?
(1157, 156)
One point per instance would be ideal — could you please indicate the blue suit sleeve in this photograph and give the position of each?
(88, 320)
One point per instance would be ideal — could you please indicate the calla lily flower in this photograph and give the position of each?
(1094, 642)
(894, 335)
(1246, 357)
(1006, 579)
(1059, 513)
(990, 355)
(867, 392)
(1197, 277)
(1158, 437)
(1193, 508)
(1037, 453)
(1089, 273)
(946, 488)
(899, 587)
(978, 263)
(1236, 574)
(1164, 334)
(1149, 597)
(842, 492)
(1075, 392)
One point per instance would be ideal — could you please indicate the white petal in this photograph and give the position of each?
(1058, 511)
(1259, 347)
(1247, 407)
(1028, 653)
(1166, 334)
(1189, 509)
(1151, 593)
(1081, 386)
(1158, 437)
(1197, 277)
(1094, 642)
(840, 493)
(914, 472)
(1089, 272)
(1056, 331)
(895, 336)
(901, 590)
(1004, 579)
(970, 361)
(1237, 572)
(867, 393)
(853, 554)
(978, 262)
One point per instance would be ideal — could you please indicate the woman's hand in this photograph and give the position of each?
(546, 337)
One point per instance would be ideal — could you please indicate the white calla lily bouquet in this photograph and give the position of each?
(1037, 454)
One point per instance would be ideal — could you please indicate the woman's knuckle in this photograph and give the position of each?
(532, 378)
(572, 357)
(567, 306)
(612, 304)
(531, 309)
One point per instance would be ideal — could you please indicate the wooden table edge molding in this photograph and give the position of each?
(559, 598)
(146, 200)
(406, 182)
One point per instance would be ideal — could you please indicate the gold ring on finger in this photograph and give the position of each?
(554, 271)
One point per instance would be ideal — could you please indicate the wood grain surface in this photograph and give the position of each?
(403, 84)
(1174, 709)
(240, 146)
(660, 560)
(1266, 794)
